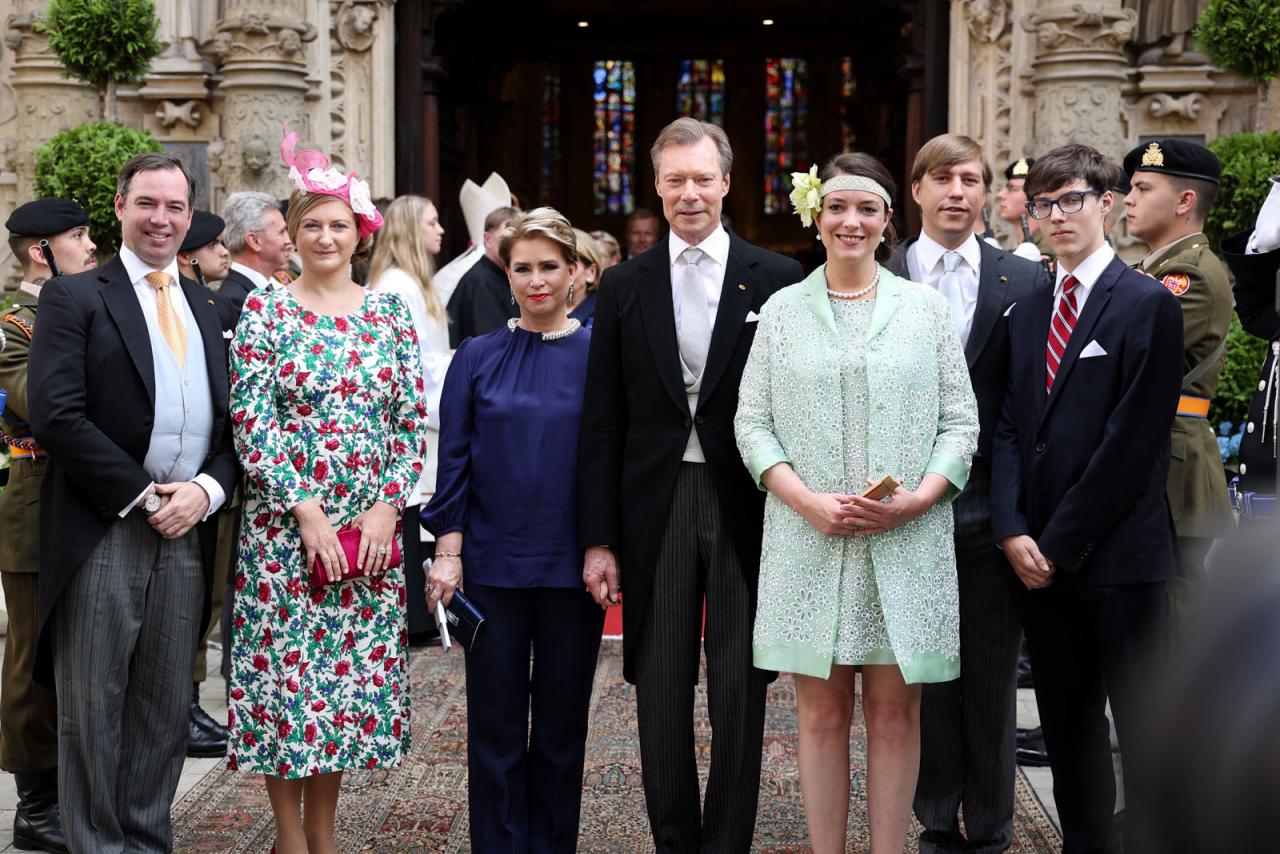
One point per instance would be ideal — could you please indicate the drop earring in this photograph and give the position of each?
(513, 297)
(569, 298)
(882, 237)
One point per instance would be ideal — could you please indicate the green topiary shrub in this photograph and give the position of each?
(104, 42)
(1239, 381)
(1242, 36)
(82, 164)
(1248, 159)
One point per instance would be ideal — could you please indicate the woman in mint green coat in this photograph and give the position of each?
(856, 374)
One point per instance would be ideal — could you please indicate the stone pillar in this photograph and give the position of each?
(1079, 72)
(260, 44)
(361, 92)
(46, 103)
(989, 101)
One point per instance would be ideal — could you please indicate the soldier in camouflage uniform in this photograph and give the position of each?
(1172, 186)
(28, 712)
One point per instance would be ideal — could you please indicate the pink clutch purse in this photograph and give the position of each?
(350, 542)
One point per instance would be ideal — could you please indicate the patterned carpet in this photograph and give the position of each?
(421, 807)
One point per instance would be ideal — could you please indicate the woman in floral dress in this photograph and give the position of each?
(326, 399)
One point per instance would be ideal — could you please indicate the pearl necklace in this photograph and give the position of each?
(860, 292)
(574, 326)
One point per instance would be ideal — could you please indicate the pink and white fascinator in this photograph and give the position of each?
(310, 172)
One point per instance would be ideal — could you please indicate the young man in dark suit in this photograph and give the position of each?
(668, 511)
(967, 725)
(1080, 464)
(128, 392)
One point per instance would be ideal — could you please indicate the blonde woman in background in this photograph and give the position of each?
(582, 297)
(610, 251)
(402, 265)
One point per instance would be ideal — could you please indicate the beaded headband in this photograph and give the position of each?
(856, 182)
(807, 191)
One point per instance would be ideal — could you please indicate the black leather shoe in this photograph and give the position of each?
(1030, 748)
(202, 744)
(37, 825)
(201, 718)
(206, 738)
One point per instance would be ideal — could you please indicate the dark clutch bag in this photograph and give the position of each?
(464, 620)
(349, 540)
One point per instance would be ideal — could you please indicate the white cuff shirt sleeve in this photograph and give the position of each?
(211, 487)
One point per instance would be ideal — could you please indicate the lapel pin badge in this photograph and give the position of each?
(741, 286)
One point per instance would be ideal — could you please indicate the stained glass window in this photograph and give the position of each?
(848, 88)
(550, 132)
(615, 151)
(786, 113)
(700, 90)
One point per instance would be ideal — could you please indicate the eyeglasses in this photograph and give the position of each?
(1068, 203)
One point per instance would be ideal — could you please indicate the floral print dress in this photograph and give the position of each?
(330, 408)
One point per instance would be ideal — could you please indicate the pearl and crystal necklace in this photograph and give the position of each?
(574, 326)
(860, 292)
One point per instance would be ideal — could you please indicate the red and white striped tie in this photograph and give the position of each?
(1060, 326)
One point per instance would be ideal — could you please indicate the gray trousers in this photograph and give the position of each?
(697, 558)
(124, 639)
(967, 725)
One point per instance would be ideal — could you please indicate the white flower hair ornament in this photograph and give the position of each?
(310, 172)
(807, 191)
(806, 194)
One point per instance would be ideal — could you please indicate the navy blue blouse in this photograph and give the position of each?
(510, 414)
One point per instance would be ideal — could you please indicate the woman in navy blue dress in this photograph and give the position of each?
(505, 508)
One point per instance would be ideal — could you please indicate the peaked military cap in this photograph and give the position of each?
(1019, 168)
(205, 228)
(1174, 157)
(46, 217)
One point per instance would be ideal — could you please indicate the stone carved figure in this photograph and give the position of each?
(1164, 29)
(256, 155)
(178, 28)
(986, 18)
(355, 26)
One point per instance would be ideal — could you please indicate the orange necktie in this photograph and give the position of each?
(171, 327)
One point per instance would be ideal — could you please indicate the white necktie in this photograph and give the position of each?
(695, 320)
(949, 286)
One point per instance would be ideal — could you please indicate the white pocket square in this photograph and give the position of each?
(752, 317)
(1009, 310)
(1092, 349)
(229, 334)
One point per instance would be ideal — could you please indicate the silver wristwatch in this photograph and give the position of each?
(152, 503)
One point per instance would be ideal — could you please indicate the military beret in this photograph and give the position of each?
(205, 228)
(46, 217)
(1174, 157)
(1019, 168)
